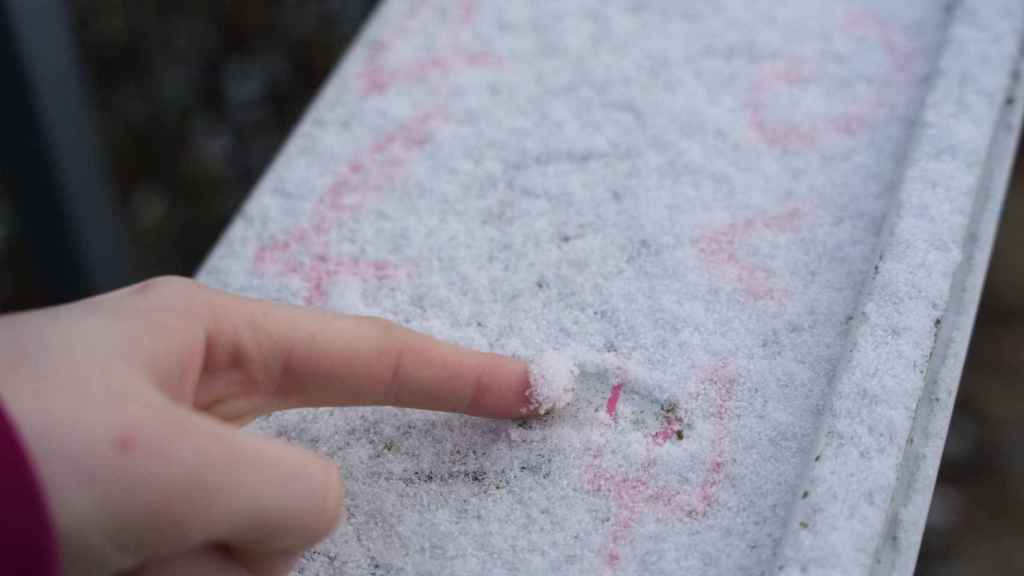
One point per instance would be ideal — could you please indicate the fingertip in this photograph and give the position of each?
(503, 388)
(333, 495)
(519, 384)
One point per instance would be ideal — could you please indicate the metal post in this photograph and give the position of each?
(57, 170)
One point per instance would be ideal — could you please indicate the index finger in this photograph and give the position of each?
(286, 357)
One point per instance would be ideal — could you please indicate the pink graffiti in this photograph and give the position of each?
(669, 428)
(636, 493)
(791, 74)
(318, 272)
(613, 400)
(381, 73)
(718, 250)
(306, 254)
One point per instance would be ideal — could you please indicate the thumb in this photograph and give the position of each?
(216, 561)
(204, 562)
(216, 485)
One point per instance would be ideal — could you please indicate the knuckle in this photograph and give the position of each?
(177, 307)
(383, 326)
(171, 288)
(173, 298)
(379, 323)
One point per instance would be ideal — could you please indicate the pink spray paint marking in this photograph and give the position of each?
(856, 118)
(669, 427)
(370, 174)
(305, 252)
(613, 400)
(718, 250)
(379, 75)
(638, 493)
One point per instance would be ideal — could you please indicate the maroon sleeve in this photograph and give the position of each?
(27, 540)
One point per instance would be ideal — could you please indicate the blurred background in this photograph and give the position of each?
(191, 99)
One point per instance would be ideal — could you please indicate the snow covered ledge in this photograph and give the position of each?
(754, 232)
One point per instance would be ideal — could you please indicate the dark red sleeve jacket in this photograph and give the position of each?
(28, 546)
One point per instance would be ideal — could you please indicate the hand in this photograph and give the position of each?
(129, 405)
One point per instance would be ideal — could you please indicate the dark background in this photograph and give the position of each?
(193, 98)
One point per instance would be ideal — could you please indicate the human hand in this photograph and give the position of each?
(129, 405)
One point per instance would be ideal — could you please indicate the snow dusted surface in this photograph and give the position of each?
(742, 226)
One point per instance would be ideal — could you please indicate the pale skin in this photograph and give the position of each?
(129, 405)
